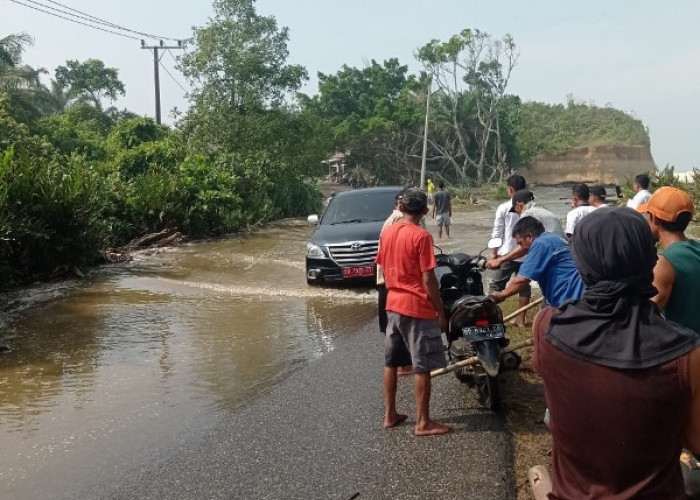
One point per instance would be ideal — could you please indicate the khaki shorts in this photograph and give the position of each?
(421, 336)
(442, 220)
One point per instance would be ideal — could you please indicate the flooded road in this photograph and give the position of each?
(113, 373)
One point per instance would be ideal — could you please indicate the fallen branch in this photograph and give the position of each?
(162, 238)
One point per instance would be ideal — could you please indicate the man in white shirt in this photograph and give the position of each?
(503, 225)
(581, 208)
(597, 196)
(641, 186)
(523, 204)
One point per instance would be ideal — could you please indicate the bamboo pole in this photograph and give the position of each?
(523, 309)
(474, 360)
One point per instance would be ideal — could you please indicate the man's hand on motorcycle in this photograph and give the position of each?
(493, 263)
(497, 297)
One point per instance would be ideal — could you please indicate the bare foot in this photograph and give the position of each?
(404, 370)
(396, 420)
(540, 481)
(432, 429)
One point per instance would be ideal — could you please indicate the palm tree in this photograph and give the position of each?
(28, 97)
(12, 74)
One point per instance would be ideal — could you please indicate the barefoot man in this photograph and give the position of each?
(415, 313)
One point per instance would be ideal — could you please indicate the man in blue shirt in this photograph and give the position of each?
(548, 262)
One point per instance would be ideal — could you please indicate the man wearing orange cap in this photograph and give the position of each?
(668, 212)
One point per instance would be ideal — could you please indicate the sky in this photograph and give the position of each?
(640, 56)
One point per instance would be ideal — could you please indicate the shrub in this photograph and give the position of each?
(50, 214)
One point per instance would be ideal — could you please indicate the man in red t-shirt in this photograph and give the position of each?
(415, 313)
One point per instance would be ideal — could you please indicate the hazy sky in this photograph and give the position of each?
(640, 56)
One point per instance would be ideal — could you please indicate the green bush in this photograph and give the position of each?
(50, 214)
(208, 199)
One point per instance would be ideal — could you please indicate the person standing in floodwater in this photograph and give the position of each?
(442, 209)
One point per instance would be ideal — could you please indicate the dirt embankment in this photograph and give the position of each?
(604, 164)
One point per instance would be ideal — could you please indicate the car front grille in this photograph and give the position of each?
(361, 253)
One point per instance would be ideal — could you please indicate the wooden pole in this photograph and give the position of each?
(474, 360)
(523, 309)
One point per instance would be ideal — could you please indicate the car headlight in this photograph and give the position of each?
(314, 251)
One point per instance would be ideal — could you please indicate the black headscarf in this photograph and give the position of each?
(614, 323)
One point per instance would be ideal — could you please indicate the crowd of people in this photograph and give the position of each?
(617, 345)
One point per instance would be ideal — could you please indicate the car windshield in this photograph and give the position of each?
(365, 206)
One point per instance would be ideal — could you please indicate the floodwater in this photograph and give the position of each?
(110, 373)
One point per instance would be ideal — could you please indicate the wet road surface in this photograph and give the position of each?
(213, 371)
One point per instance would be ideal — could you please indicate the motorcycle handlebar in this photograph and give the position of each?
(479, 263)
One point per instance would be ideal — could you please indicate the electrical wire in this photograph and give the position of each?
(86, 17)
(173, 78)
(173, 56)
(74, 20)
(108, 23)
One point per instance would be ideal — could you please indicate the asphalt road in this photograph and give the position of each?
(318, 435)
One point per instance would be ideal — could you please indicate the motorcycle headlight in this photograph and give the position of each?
(314, 251)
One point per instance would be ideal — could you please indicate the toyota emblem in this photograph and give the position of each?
(356, 247)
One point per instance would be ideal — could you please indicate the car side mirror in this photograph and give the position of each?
(312, 219)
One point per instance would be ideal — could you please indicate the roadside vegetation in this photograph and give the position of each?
(78, 176)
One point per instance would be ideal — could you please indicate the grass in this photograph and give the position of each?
(523, 406)
(470, 199)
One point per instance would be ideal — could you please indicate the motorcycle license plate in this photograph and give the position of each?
(486, 332)
(358, 272)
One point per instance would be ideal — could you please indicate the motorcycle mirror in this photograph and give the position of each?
(494, 243)
(312, 219)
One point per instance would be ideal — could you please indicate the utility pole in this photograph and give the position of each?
(156, 72)
(425, 136)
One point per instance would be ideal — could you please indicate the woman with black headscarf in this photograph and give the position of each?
(622, 384)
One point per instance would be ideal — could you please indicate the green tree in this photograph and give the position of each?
(238, 69)
(27, 98)
(89, 80)
(471, 71)
(376, 114)
(243, 113)
(80, 129)
(543, 129)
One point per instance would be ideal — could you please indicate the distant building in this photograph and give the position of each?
(336, 164)
(685, 176)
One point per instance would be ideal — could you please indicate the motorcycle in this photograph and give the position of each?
(475, 324)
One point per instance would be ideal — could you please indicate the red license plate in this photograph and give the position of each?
(356, 272)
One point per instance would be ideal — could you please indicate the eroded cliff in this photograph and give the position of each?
(604, 164)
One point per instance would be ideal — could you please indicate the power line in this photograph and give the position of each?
(173, 56)
(173, 78)
(74, 20)
(107, 23)
(87, 19)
